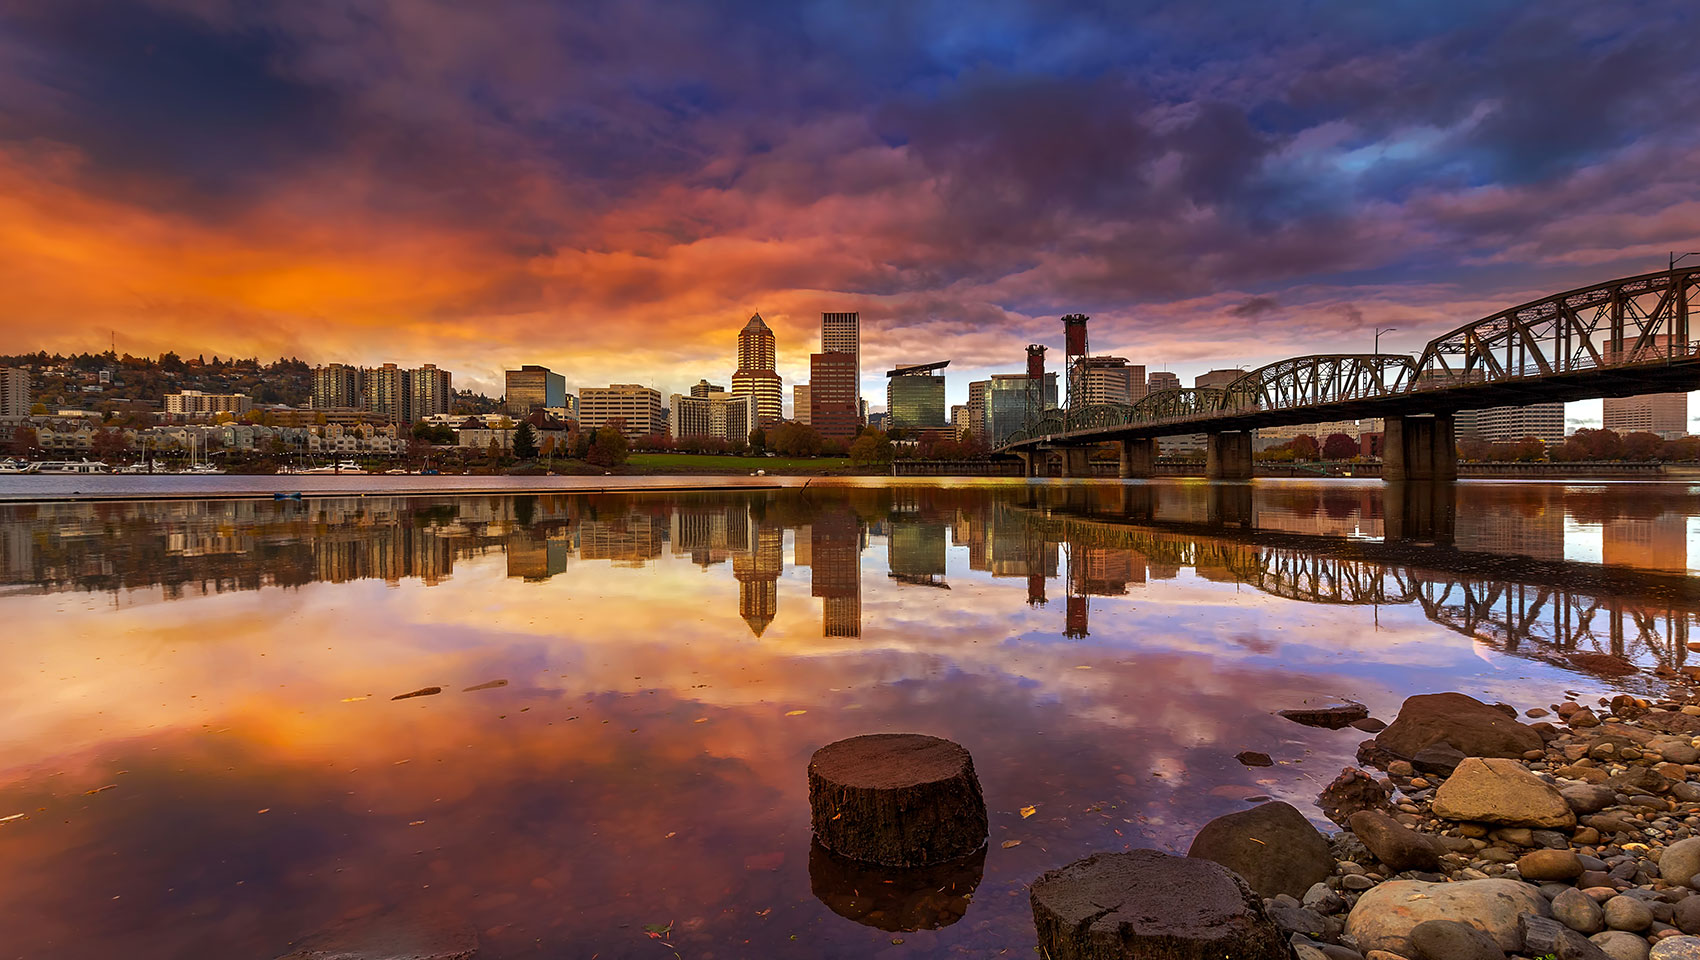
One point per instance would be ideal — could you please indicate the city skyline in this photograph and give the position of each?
(444, 186)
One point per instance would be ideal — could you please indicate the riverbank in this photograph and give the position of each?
(45, 489)
(1575, 836)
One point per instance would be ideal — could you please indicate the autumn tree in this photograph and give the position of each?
(872, 447)
(1304, 447)
(792, 439)
(24, 442)
(1339, 446)
(608, 449)
(1642, 445)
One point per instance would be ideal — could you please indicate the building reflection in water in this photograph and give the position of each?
(1317, 543)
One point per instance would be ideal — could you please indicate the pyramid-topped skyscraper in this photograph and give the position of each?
(756, 375)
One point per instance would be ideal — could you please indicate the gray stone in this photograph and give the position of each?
(1578, 911)
(1548, 938)
(1323, 900)
(1395, 845)
(1383, 918)
(1588, 797)
(1296, 919)
(1686, 791)
(1675, 749)
(1272, 846)
(1329, 713)
(1491, 790)
(1628, 913)
(1451, 940)
(1147, 903)
(1676, 948)
(1680, 861)
(1474, 728)
(1620, 945)
(1685, 914)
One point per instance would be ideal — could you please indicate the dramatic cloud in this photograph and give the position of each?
(612, 188)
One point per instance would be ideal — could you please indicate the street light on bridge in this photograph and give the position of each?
(1378, 332)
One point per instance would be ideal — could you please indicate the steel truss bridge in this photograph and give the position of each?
(1570, 614)
(1614, 339)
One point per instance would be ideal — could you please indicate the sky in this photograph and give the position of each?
(612, 188)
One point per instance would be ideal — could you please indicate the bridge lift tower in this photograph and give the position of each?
(1075, 350)
(1035, 382)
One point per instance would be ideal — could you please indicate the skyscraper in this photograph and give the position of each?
(1109, 380)
(389, 392)
(14, 392)
(977, 393)
(756, 375)
(433, 391)
(833, 409)
(800, 403)
(1161, 380)
(533, 387)
(914, 398)
(336, 385)
(637, 408)
(842, 333)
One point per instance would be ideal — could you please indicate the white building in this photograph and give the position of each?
(721, 416)
(636, 407)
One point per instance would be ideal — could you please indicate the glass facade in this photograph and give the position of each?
(915, 402)
(1006, 403)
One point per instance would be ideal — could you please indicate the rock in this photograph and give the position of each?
(896, 799)
(1686, 913)
(1323, 900)
(1680, 861)
(1541, 865)
(1548, 938)
(1331, 716)
(1394, 844)
(1383, 918)
(1676, 948)
(1516, 836)
(1252, 758)
(1451, 940)
(1628, 707)
(412, 936)
(1369, 725)
(1351, 791)
(1588, 797)
(1500, 791)
(1620, 946)
(1295, 919)
(1334, 951)
(1401, 768)
(1583, 718)
(1628, 913)
(1438, 758)
(1470, 726)
(1686, 792)
(1638, 780)
(1356, 882)
(1272, 846)
(1146, 904)
(1578, 911)
(1675, 750)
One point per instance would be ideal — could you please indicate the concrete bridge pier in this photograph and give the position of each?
(1228, 455)
(1138, 459)
(1420, 511)
(1231, 507)
(1077, 461)
(1419, 448)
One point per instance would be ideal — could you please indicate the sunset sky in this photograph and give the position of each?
(612, 188)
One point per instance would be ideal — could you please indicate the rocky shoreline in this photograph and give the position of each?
(1575, 836)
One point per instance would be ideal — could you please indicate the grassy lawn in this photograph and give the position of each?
(702, 463)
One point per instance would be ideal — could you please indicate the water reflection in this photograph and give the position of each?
(199, 756)
(886, 898)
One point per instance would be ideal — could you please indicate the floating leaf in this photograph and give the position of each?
(486, 685)
(356, 699)
(700, 720)
(110, 786)
(1011, 843)
(1028, 811)
(796, 713)
(15, 816)
(421, 692)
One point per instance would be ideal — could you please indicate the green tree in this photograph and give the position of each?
(525, 442)
(792, 439)
(608, 449)
(872, 447)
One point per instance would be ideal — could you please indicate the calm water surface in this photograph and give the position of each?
(200, 754)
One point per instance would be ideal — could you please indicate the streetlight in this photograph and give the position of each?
(1674, 259)
(1379, 331)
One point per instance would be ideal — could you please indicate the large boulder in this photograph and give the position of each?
(1393, 843)
(1492, 790)
(1451, 940)
(1272, 846)
(1473, 727)
(1680, 861)
(1144, 903)
(1384, 917)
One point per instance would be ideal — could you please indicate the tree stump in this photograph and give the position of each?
(896, 799)
(1147, 905)
(898, 899)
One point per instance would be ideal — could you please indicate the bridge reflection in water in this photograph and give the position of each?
(1500, 578)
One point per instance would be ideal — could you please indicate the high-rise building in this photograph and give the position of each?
(833, 409)
(637, 408)
(336, 385)
(757, 572)
(1006, 404)
(756, 376)
(914, 397)
(960, 423)
(14, 392)
(977, 394)
(388, 392)
(1161, 380)
(1110, 380)
(800, 403)
(534, 387)
(835, 574)
(720, 416)
(1665, 414)
(1544, 421)
(1217, 378)
(433, 391)
(842, 333)
(703, 388)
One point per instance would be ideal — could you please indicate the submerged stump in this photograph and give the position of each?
(897, 799)
(1147, 905)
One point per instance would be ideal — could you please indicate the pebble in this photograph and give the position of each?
(1620, 946)
(1578, 911)
(1627, 913)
